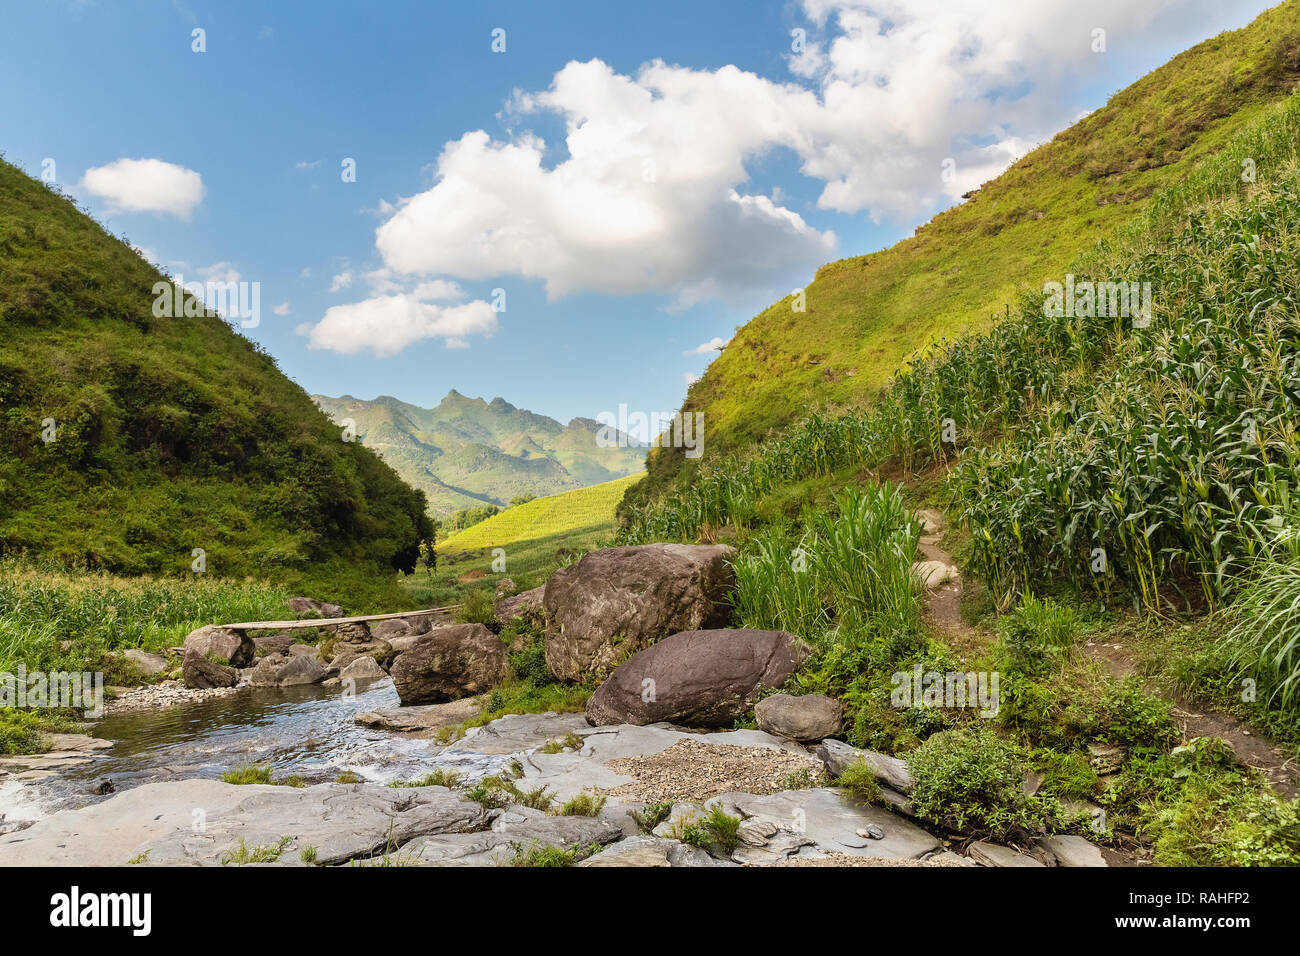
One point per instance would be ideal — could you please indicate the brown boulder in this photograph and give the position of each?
(449, 663)
(519, 605)
(212, 640)
(200, 673)
(697, 678)
(310, 607)
(617, 601)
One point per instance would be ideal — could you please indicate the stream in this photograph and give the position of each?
(306, 730)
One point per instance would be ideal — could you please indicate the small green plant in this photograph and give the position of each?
(723, 830)
(266, 853)
(477, 607)
(860, 779)
(308, 855)
(138, 858)
(799, 780)
(1035, 636)
(435, 778)
(347, 776)
(293, 780)
(651, 815)
(248, 774)
(547, 856)
(583, 805)
(492, 792)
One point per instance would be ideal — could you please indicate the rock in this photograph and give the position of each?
(505, 586)
(519, 605)
(991, 854)
(697, 678)
(1071, 850)
(102, 786)
(201, 673)
(1105, 758)
(515, 832)
(421, 717)
(362, 669)
(310, 607)
(648, 851)
(827, 820)
(806, 718)
(144, 662)
(387, 630)
(358, 632)
(304, 650)
(935, 573)
(379, 650)
(300, 669)
(516, 733)
(449, 663)
(211, 640)
(891, 772)
(274, 643)
(617, 601)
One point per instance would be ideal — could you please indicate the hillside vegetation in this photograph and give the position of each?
(467, 453)
(170, 434)
(867, 316)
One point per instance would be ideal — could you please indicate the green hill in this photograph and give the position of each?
(868, 315)
(170, 434)
(466, 452)
(573, 511)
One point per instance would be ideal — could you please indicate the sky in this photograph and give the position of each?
(566, 204)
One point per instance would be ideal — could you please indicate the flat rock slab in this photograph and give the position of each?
(992, 854)
(1071, 850)
(421, 717)
(516, 831)
(197, 822)
(826, 819)
(516, 733)
(66, 751)
(651, 851)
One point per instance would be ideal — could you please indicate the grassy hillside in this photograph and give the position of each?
(868, 315)
(556, 515)
(466, 452)
(170, 434)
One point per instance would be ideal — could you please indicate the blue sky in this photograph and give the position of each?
(688, 195)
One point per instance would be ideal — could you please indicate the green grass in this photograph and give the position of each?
(562, 514)
(249, 774)
(867, 316)
(170, 434)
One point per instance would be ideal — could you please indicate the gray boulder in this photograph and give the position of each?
(449, 663)
(362, 669)
(274, 643)
(891, 772)
(310, 607)
(519, 605)
(697, 678)
(144, 662)
(806, 718)
(618, 601)
(200, 673)
(212, 640)
(387, 630)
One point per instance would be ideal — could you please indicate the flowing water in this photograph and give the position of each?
(306, 730)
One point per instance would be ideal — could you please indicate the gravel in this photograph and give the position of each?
(166, 694)
(693, 771)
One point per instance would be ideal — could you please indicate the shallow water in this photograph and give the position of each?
(305, 730)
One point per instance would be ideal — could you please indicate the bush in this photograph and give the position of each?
(859, 778)
(1136, 719)
(972, 780)
(1035, 636)
(477, 607)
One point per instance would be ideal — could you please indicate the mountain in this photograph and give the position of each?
(127, 441)
(867, 316)
(466, 452)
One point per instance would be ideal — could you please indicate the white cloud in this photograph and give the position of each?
(341, 281)
(439, 289)
(690, 378)
(281, 309)
(715, 344)
(146, 185)
(387, 324)
(651, 189)
(220, 272)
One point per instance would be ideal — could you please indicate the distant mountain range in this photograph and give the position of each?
(467, 452)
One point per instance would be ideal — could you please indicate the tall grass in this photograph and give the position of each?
(1264, 635)
(96, 612)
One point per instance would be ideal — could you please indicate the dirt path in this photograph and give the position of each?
(943, 612)
(1196, 720)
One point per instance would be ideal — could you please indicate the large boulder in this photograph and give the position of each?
(362, 669)
(310, 607)
(214, 641)
(519, 605)
(202, 674)
(284, 670)
(617, 601)
(807, 718)
(697, 678)
(449, 663)
(387, 630)
(146, 663)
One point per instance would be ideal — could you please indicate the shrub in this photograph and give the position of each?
(859, 778)
(247, 774)
(1134, 718)
(970, 779)
(477, 607)
(1035, 635)
(583, 805)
